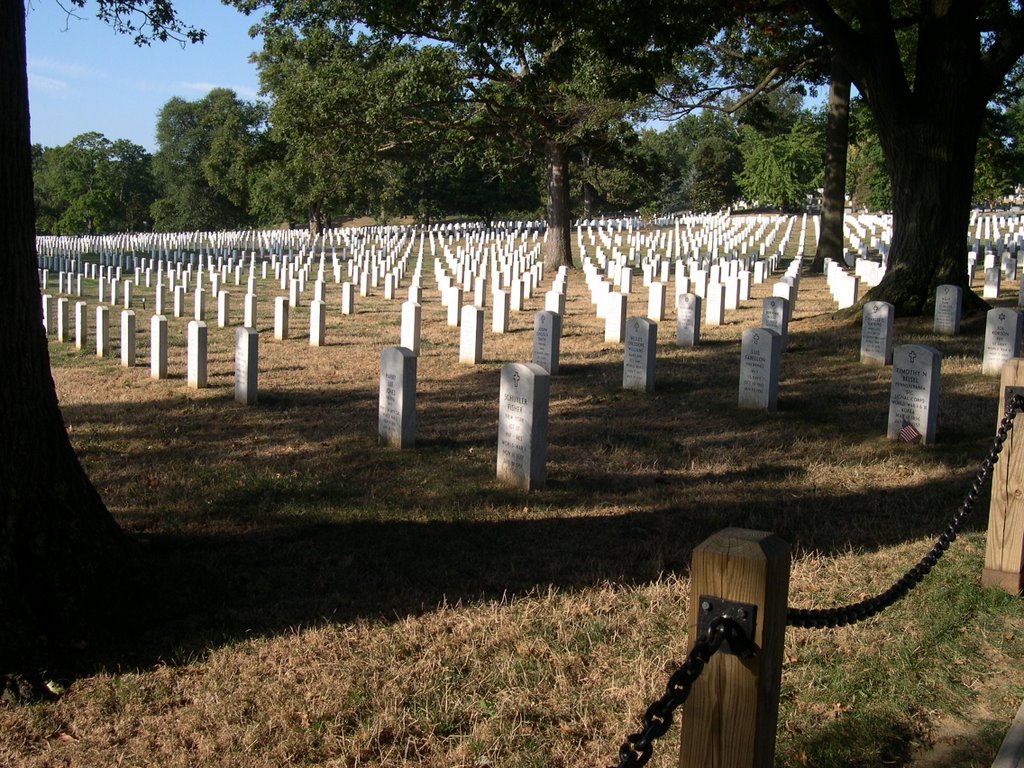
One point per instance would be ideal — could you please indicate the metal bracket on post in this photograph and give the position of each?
(742, 615)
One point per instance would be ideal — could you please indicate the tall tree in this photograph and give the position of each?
(355, 118)
(927, 72)
(206, 160)
(544, 74)
(56, 536)
(782, 170)
(92, 184)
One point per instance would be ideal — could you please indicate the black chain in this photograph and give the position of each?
(638, 747)
(865, 609)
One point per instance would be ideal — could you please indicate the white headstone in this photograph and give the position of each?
(247, 343)
(876, 333)
(197, 354)
(499, 323)
(223, 309)
(348, 298)
(81, 325)
(547, 340)
(48, 314)
(687, 319)
(280, 318)
(63, 319)
(127, 338)
(914, 396)
(453, 301)
(714, 304)
(639, 354)
(471, 335)
(775, 317)
(249, 318)
(317, 323)
(200, 305)
(760, 352)
(615, 318)
(1002, 339)
(523, 425)
(102, 331)
(158, 347)
(396, 405)
(410, 331)
(993, 278)
(947, 309)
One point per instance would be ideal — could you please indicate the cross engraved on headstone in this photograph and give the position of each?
(912, 356)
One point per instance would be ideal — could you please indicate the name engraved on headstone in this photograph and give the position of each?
(876, 333)
(687, 320)
(914, 396)
(639, 355)
(547, 333)
(396, 407)
(760, 351)
(523, 425)
(1002, 339)
(947, 309)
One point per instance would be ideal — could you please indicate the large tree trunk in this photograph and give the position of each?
(316, 219)
(833, 202)
(55, 533)
(932, 170)
(930, 158)
(558, 246)
(928, 125)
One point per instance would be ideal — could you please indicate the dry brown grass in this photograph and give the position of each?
(308, 597)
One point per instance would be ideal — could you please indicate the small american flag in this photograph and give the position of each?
(909, 434)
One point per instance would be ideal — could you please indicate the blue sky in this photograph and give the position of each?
(84, 77)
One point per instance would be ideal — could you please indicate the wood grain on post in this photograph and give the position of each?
(730, 717)
(1004, 548)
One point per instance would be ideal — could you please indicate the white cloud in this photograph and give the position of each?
(46, 84)
(56, 66)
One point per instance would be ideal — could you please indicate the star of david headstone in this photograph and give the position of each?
(1002, 316)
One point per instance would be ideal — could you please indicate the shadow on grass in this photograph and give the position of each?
(259, 520)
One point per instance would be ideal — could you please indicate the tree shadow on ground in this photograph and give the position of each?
(254, 521)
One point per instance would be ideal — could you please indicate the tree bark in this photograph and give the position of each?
(56, 535)
(316, 219)
(558, 246)
(833, 198)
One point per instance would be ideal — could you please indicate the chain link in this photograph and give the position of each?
(865, 609)
(638, 747)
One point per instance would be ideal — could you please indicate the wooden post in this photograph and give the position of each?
(730, 718)
(1004, 549)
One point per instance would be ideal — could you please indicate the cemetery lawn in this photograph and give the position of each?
(304, 596)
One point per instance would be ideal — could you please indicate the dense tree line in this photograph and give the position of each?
(225, 163)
